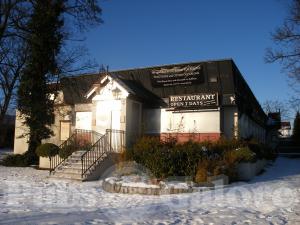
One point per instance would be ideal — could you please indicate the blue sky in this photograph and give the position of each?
(140, 33)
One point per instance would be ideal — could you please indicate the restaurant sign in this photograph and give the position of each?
(193, 101)
(178, 75)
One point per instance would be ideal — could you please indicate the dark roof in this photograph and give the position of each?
(274, 120)
(137, 90)
(275, 116)
(221, 69)
(75, 88)
(286, 124)
(246, 100)
(230, 82)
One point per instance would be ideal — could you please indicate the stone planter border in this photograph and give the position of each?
(247, 171)
(118, 187)
(115, 185)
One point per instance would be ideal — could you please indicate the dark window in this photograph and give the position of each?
(213, 78)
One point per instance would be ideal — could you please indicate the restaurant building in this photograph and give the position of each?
(191, 101)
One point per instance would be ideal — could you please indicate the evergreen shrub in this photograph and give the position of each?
(47, 150)
(67, 150)
(16, 160)
(193, 159)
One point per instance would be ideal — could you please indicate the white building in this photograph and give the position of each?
(192, 101)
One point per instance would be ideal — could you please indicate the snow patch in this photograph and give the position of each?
(28, 197)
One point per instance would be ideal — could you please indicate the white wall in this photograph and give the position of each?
(108, 115)
(190, 122)
(61, 113)
(109, 109)
(20, 143)
(285, 132)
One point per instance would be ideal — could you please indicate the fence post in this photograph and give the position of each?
(50, 166)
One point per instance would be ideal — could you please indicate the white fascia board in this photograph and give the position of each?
(106, 91)
(91, 92)
(105, 78)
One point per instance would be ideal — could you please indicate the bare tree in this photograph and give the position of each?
(12, 49)
(14, 16)
(287, 41)
(272, 106)
(12, 61)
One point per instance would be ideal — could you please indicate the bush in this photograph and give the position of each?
(262, 151)
(196, 160)
(84, 145)
(243, 154)
(17, 160)
(165, 159)
(47, 150)
(201, 174)
(256, 148)
(269, 153)
(183, 159)
(73, 146)
(223, 145)
(66, 151)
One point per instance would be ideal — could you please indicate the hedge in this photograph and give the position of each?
(197, 160)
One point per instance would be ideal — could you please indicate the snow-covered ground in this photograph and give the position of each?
(28, 197)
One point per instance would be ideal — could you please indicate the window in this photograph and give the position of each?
(213, 79)
(65, 128)
(84, 120)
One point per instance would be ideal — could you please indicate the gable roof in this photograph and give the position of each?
(135, 90)
(75, 88)
(139, 83)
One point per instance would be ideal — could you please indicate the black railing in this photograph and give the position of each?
(112, 141)
(116, 140)
(79, 140)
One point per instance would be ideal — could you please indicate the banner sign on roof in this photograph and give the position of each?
(178, 75)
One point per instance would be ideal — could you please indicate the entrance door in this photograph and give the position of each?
(108, 115)
(115, 135)
(115, 120)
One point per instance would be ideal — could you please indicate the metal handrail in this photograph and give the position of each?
(91, 157)
(86, 135)
(116, 140)
(106, 144)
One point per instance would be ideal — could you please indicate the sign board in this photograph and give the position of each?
(178, 75)
(193, 101)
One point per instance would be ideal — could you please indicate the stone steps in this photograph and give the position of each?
(63, 175)
(72, 167)
(71, 170)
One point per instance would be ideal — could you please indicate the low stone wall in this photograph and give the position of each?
(115, 185)
(246, 171)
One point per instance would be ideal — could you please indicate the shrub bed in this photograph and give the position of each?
(47, 150)
(18, 160)
(193, 159)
